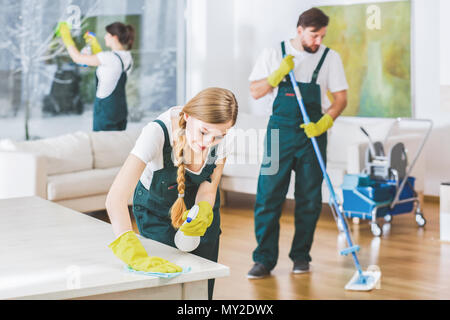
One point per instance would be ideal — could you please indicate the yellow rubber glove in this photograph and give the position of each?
(130, 250)
(198, 226)
(314, 129)
(286, 65)
(63, 30)
(58, 26)
(91, 39)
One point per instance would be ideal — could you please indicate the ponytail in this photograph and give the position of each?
(130, 36)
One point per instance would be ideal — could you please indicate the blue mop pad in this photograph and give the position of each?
(158, 274)
(365, 282)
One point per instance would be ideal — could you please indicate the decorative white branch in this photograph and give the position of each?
(29, 45)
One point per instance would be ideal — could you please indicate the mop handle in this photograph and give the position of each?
(306, 120)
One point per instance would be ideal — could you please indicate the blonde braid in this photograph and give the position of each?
(179, 207)
(212, 105)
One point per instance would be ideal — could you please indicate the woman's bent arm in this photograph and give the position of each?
(121, 191)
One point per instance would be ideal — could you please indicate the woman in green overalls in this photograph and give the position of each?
(177, 163)
(110, 106)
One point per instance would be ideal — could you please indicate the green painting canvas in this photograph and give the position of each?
(374, 42)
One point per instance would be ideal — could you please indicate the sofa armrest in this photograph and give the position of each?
(22, 174)
(356, 156)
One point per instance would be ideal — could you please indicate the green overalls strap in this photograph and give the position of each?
(110, 113)
(319, 66)
(291, 151)
(151, 207)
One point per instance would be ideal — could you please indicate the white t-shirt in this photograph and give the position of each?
(150, 143)
(331, 76)
(110, 70)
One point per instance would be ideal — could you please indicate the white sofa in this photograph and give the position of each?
(345, 152)
(75, 170)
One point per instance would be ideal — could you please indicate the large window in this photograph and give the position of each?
(43, 93)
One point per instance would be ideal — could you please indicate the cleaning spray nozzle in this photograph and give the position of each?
(89, 33)
(192, 213)
(187, 243)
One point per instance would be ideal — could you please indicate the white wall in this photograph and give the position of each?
(224, 39)
(444, 26)
(439, 151)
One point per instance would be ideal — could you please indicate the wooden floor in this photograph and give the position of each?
(415, 264)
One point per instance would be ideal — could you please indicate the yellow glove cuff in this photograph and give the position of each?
(326, 122)
(123, 237)
(275, 78)
(203, 206)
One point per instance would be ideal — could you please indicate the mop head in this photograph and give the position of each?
(158, 274)
(368, 281)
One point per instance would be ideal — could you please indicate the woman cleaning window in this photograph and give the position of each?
(110, 106)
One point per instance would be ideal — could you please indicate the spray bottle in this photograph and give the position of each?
(87, 49)
(188, 243)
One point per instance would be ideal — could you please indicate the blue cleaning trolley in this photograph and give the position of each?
(384, 188)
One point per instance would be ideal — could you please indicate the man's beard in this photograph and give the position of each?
(309, 49)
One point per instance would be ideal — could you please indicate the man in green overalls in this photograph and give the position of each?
(318, 70)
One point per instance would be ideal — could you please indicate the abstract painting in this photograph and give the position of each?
(374, 42)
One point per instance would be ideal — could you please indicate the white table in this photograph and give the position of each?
(51, 252)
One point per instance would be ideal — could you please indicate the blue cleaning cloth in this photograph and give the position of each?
(158, 274)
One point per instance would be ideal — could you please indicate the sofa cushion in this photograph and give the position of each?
(245, 168)
(64, 154)
(80, 184)
(111, 148)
